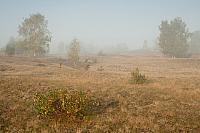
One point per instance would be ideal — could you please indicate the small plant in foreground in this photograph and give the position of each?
(63, 105)
(137, 77)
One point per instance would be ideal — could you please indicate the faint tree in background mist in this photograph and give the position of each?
(195, 43)
(61, 49)
(145, 45)
(35, 35)
(173, 39)
(74, 51)
(120, 48)
(10, 47)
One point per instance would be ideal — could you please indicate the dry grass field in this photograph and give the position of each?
(169, 102)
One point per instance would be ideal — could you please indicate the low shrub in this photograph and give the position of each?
(63, 105)
(86, 67)
(100, 68)
(137, 77)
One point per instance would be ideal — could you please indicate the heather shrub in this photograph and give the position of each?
(63, 105)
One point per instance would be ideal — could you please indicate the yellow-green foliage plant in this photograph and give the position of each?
(63, 105)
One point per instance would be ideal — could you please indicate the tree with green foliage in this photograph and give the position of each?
(10, 47)
(195, 43)
(174, 37)
(35, 35)
(74, 51)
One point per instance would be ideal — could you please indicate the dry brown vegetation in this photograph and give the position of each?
(169, 102)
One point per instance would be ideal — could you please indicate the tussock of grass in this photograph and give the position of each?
(137, 77)
(100, 68)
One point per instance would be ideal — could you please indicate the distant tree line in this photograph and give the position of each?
(34, 39)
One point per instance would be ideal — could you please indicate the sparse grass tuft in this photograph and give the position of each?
(100, 68)
(137, 77)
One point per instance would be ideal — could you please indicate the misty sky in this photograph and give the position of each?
(99, 22)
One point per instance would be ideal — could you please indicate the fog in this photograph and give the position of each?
(116, 66)
(101, 24)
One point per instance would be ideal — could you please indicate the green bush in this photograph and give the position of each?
(65, 105)
(137, 77)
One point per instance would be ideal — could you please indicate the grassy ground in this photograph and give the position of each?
(170, 102)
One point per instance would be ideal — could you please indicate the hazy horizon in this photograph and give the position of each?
(101, 23)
